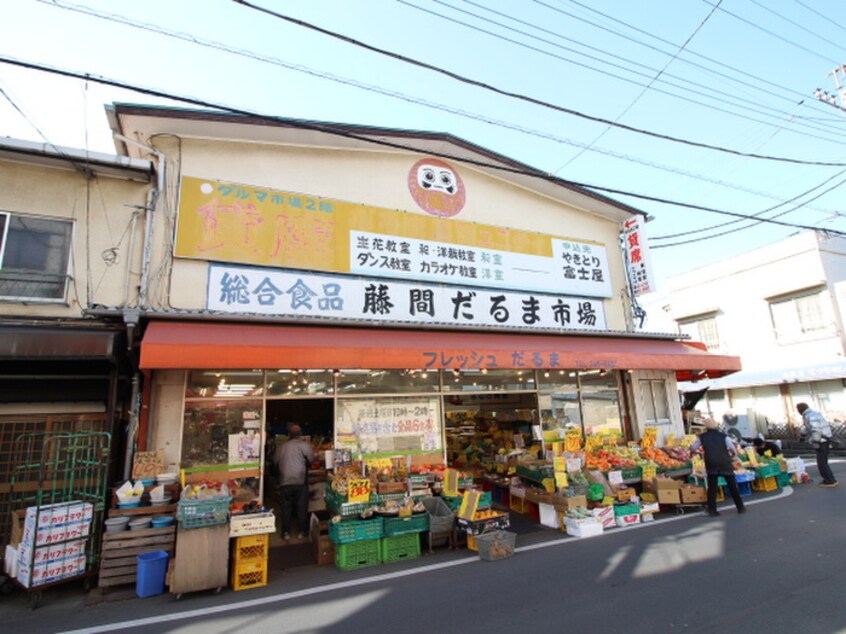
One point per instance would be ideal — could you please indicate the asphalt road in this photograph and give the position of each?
(778, 568)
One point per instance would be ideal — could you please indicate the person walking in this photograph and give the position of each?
(293, 458)
(819, 434)
(719, 452)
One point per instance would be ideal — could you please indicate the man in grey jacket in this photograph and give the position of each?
(819, 435)
(293, 458)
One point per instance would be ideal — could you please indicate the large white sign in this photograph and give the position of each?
(575, 268)
(638, 262)
(389, 425)
(238, 289)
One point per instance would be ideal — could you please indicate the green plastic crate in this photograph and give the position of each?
(416, 523)
(202, 513)
(767, 470)
(347, 531)
(783, 479)
(454, 502)
(626, 509)
(400, 547)
(362, 554)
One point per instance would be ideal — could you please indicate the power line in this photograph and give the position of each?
(824, 17)
(796, 24)
(532, 100)
(709, 93)
(118, 19)
(343, 131)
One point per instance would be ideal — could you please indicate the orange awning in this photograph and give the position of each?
(222, 346)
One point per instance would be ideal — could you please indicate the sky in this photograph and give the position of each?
(630, 92)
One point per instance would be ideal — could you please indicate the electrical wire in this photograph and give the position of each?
(344, 131)
(525, 98)
(796, 24)
(115, 18)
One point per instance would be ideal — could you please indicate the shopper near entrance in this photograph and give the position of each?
(818, 432)
(719, 453)
(293, 458)
(763, 446)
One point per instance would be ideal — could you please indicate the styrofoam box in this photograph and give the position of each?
(649, 508)
(583, 528)
(549, 516)
(604, 514)
(10, 562)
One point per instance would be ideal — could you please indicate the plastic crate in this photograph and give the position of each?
(347, 531)
(400, 547)
(250, 547)
(338, 504)
(200, 513)
(746, 476)
(745, 489)
(518, 504)
(249, 574)
(626, 509)
(496, 545)
(353, 555)
(783, 479)
(764, 484)
(634, 473)
(767, 470)
(416, 523)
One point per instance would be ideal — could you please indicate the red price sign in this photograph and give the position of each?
(359, 490)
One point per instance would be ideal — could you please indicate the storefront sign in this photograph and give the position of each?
(226, 222)
(237, 289)
(391, 425)
(638, 262)
(147, 464)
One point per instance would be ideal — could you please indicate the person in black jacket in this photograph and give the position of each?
(763, 446)
(719, 453)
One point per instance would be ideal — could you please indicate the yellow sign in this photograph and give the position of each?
(688, 440)
(359, 490)
(608, 501)
(753, 456)
(469, 504)
(237, 223)
(649, 471)
(557, 448)
(561, 480)
(549, 485)
(573, 440)
(379, 463)
(593, 442)
(450, 483)
(559, 463)
(650, 434)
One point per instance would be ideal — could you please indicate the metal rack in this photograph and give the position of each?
(57, 493)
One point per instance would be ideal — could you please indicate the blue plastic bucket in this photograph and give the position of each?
(152, 569)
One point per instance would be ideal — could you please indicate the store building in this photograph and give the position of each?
(780, 309)
(70, 236)
(386, 289)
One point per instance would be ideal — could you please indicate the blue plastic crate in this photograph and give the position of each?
(745, 489)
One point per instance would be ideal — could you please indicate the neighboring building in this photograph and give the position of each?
(339, 275)
(780, 309)
(71, 236)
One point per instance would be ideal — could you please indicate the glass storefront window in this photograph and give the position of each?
(387, 381)
(209, 425)
(220, 384)
(300, 382)
(488, 380)
(559, 402)
(600, 402)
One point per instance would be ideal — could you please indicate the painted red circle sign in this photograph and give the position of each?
(436, 187)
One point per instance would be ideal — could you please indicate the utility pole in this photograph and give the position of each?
(830, 99)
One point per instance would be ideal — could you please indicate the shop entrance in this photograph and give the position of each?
(481, 426)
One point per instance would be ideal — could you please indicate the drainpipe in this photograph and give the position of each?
(152, 202)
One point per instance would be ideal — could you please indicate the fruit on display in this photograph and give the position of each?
(610, 459)
(660, 457)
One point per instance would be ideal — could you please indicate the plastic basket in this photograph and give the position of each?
(400, 547)
(496, 545)
(347, 531)
(633, 473)
(249, 574)
(783, 479)
(361, 554)
(250, 547)
(746, 476)
(200, 513)
(404, 525)
(441, 517)
(765, 484)
(767, 470)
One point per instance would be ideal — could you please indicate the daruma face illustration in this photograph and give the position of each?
(436, 187)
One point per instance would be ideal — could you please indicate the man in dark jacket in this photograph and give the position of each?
(719, 454)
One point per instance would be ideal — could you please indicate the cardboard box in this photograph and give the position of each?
(628, 520)
(252, 524)
(666, 490)
(604, 514)
(574, 502)
(692, 494)
(321, 546)
(647, 509)
(626, 494)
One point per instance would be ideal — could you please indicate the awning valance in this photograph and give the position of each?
(193, 345)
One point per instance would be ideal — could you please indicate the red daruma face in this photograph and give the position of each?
(436, 187)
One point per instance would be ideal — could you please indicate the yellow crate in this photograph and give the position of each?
(471, 543)
(251, 547)
(518, 504)
(764, 484)
(721, 496)
(249, 574)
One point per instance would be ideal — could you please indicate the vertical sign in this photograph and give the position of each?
(638, 263)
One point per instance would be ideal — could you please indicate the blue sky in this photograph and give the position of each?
(738, 74)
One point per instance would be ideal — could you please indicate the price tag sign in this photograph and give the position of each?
(147, 464)
(359, 490)
(469, 504)
(561, 480)
(549, 484)
(500, 467)
(615, 477)
(573, 465)
(608, 501)
(753, 456)
(573, 440)
(450, 483)
(559, 464)
(378, 463)
(650, 435)
(649, 471)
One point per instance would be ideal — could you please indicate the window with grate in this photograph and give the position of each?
(801, 317)
(34, 257)
(653, 394)
(704, 330)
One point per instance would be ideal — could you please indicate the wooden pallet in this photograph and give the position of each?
(119, 551)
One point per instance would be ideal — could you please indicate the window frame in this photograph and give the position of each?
(796, 331)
